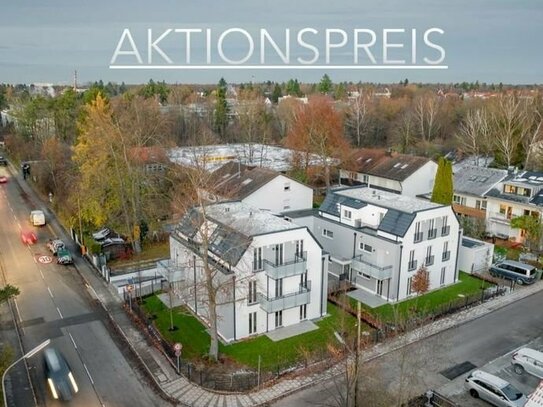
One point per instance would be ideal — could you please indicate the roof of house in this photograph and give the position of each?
(389, 200)
(396, 222)
(390, 165)
(238, 181)
(333, 201)
(477, 181)
(232, 225)
(525, 179)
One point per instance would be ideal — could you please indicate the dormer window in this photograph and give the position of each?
(347, 214)
(515, 190)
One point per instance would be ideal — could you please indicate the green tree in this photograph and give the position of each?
(3, 98)
(443, 184)
(325, 85)
(532, 227)
(7, 292)
(277, 93)
(221, 109)
(293, 88)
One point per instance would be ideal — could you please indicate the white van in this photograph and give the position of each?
(37, 218)
(529, 361)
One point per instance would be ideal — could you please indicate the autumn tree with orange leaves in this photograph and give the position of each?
(317, 133)
(421, 281)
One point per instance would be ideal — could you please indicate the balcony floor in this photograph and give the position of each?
(293, 330)
(365, 297)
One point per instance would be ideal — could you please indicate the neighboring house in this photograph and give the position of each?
(273, 272)
(471, 184)
(518, 194)
(261, 188)
(475, 256)
(378, 240)
(153, 159)
(399, 173)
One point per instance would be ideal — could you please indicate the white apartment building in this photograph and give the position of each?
(378, 240)
(269, 273)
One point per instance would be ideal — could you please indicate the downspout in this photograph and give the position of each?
(195, 300)
(457, 252)
(234, 302)
(354, 253)
(267, 296)
(399, 273)
(322, 283)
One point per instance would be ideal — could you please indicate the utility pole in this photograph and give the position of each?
(357, 353)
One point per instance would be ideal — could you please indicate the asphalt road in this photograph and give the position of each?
(54, 303)
(478, 342)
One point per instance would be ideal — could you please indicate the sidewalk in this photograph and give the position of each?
(178, 388)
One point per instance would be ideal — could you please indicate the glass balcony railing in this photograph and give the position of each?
(360, 263)
(286, 301)
(286, 269)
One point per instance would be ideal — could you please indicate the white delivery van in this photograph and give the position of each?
(37, 218)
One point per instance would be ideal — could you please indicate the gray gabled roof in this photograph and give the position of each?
(396, 222)
(333, 201)
(477, 181)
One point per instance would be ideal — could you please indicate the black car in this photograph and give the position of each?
(3, 161)
(59, 376)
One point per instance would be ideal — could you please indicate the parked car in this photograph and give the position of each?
(493, 389)
(37, 218)
(64, 256)
(529, 361)
(101, 234)
(3, 161)
(3, 179)
(54, 245)
(28, 237)
(112, 240)
(514, 270)
(59, 376)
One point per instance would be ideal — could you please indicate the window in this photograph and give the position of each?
(443, 272)
(483, 205)
(429, 258)
(252, 323)
(445, 229)
(446, 253)
(251, 299)
(286, 204)
(432, 232)
(366, 248)
(257, 259)
(303, 312)
(418, 233)
(300, 248)
(409, 288)
(365, 178)
(347, 214)
(278, 254)
(456, 199)
(477, 204)
(279, 288)
(364, 275)
(303, 280)
(328, 233)
(503, 209)
(412, 265)
(278, 319)
(286, 186)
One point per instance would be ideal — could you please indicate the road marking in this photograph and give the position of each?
(50, 293)
(42, 276)
(72, 338)
(60, 313)
(88, 373)
(35, 261)
(19, 315)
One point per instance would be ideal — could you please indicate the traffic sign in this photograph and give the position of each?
(177, 346)
(45, 259)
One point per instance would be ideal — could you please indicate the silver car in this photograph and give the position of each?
(495, 390)
(529, 361)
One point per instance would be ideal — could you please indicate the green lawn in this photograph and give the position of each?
(195, 339)
(468, 285)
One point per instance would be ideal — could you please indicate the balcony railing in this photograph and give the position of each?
(445, 230)
(446, 255)
(429, 260)
(412, 265)
(432, 233)
(417, 237)
(170, 270)
(287, 269)
(362, 264)
(286, 301)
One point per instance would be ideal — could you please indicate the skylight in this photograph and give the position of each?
(369, 160)
(246, 181)
(404, 166)
(397, 165)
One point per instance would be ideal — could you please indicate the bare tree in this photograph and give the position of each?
(474, 133)
(426, 111)
(534, 134)
(406, 131)
(357, 115)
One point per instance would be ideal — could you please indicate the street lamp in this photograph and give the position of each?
(25, 356)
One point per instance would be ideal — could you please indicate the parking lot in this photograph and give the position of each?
(501, 367)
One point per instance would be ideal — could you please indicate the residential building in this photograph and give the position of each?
(378, 240)
(517, 195)
(390, 171)
(475, 256)
(471, 184)
(261, 188)
(269, 273)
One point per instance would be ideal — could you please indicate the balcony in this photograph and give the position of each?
(170, 270)
(412, 265)
(417, 237)
(288, 269)
(286, 301)
(362, 264)
(429, 260)
(446, 255)
(500, 218)
(432, 233)
(445, 230)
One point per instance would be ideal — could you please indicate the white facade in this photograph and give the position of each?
(281, 194)
(475, 255)
(279, 280)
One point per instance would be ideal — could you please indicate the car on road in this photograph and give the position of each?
(28, 237)
(519, 272)
(529, 361)
(37, 218)
(101, 234)
(494, 389)
(3, 179)
(3, 161)
(59, 376)
(64, 256)
(54, 245)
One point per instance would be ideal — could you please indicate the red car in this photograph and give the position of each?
(3, 179)
(28, 237)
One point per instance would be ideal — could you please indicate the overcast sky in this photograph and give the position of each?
(485, 40)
